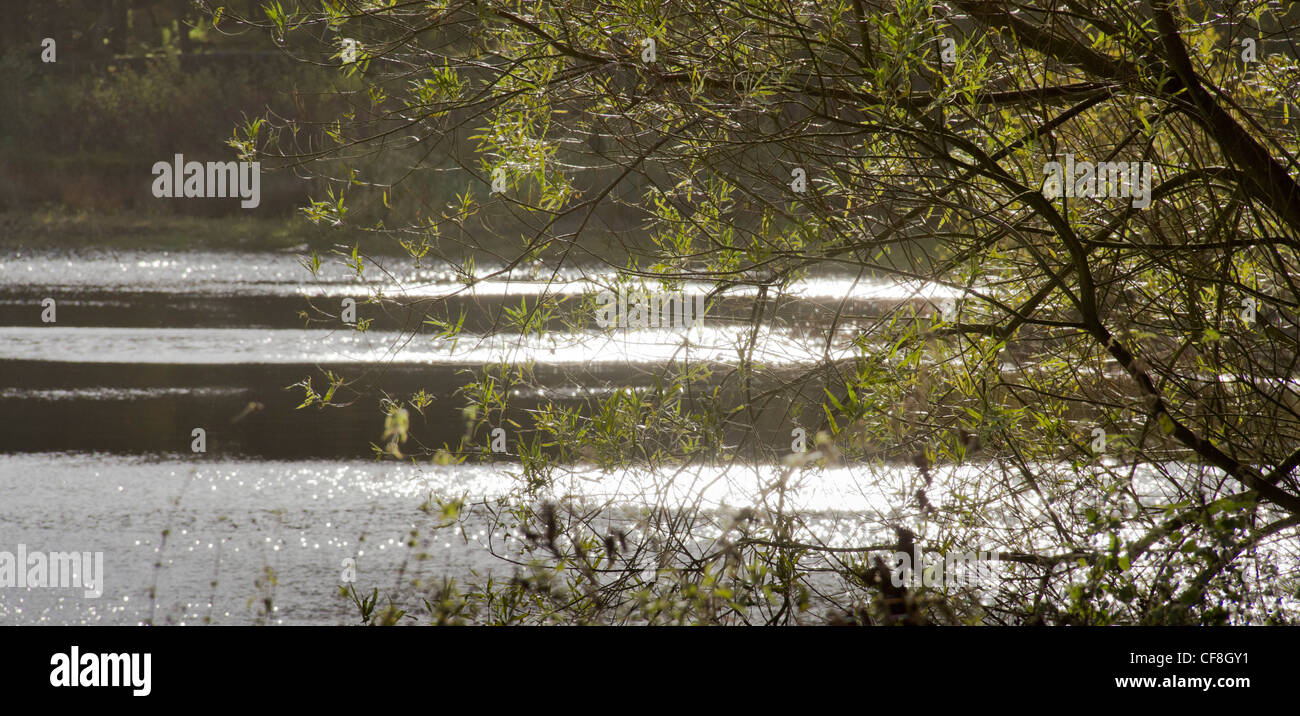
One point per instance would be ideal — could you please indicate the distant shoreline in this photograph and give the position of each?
(67, 229)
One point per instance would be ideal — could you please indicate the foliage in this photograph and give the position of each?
(1172, 329)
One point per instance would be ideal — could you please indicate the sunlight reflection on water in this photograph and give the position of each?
(279, 346)
(229, 520)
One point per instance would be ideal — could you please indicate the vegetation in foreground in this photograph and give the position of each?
(755, 142)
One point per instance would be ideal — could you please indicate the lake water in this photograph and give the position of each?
(97, 411)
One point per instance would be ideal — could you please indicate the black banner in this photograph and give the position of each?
(360, 667)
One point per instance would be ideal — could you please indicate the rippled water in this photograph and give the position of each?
(263, 346)
(285, 274)
(214, 272)
(228, 521)
(96, 413)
